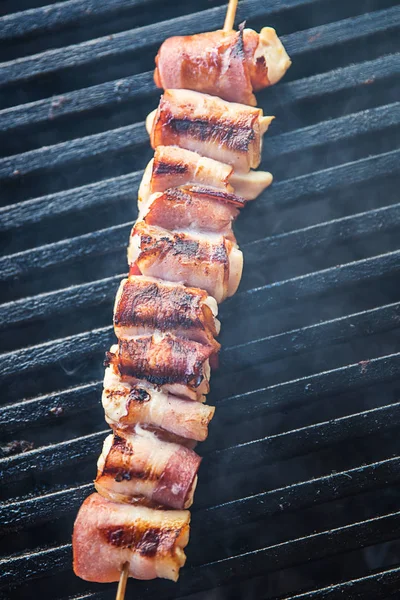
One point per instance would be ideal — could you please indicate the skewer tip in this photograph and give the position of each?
(122, 582)
(230, 15)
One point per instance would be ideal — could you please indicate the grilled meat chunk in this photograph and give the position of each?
(128, 404)
(145, 304)
(174, 167)
(228, 64)
(225, 131)
(140, 465)
(197, 208)
(210, 262)
(177, 366)
(108, 534)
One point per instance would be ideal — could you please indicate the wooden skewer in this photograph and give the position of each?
(122, 582)
(230, 15)
(228, 26)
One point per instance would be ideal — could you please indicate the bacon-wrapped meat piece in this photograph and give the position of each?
(145, 304)
(225, 131)
(128, 404)
(177, 366)
(107, 535)
(198, 208)
(228, 64)
(209, 262)
(174, 167)
(140, 465)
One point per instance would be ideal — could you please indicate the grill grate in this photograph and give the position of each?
(299, 494)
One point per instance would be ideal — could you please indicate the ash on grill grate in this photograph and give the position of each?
(299, 494)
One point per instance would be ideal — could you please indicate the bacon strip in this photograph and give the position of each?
(231, 65)
(225, 131)
(180, 367)
(209, 262)
(174, 167)
(201, 209)
(128, 404)
(138, 465)
(107, 534)
(145, 304)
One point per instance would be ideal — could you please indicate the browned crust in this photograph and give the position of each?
(157, 306)
(169, 360)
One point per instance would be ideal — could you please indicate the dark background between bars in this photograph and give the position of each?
(299, 488)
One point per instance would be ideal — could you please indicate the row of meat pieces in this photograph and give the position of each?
(158, 374)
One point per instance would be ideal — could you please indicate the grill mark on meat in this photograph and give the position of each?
(214, 193)
(158, 307)
(223, 133)
(145, 541)
(112, 467)
(163, 167)
(171, 361)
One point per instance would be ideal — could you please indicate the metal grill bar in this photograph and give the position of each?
(125, 187)
(62, 203)
(144, 37)
(285, 554)
(128, 88)
(50, 353)
(65, 153)
(115, 238)
(14, 417)
(257, 403)
(50, 18)
(248, 455)
(127, 138)
(326, 333)
(294, 497)
(100, 242)
(340, 329)
(318, 282)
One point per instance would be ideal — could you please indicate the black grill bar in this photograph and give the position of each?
(48, 18)
(294, 497)
(50, 353)
(17, 416)
(248, 455)
(150, 35)
(92, 196)
(336, 331)
(125, 187)
(99, 242)
(65, 153)
(44, 305)
(318, 282)
(329, 233)
(283, 555)
(129, 88)
(328, 332)
(115, 238)
(128, 137)
(300, 391)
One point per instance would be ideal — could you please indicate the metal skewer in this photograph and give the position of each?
(228, 26)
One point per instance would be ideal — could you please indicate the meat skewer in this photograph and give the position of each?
(183, 259)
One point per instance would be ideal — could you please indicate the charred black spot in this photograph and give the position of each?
(169, 168)
(109, 357)
(139, 394)
(144, 541)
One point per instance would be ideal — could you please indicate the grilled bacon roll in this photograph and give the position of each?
(145, 304)
(140, 465)
(178, 366)
(128, 404)
(231, 65)
(225, 131)
(107, 534)
(198, 208)
(174, 167)
(209, 262)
